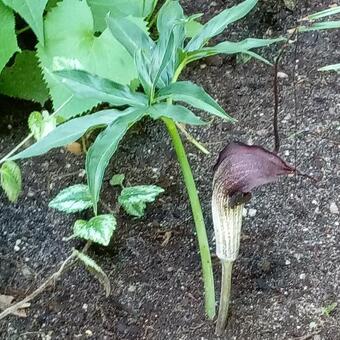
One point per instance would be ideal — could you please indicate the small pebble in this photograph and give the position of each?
(252, 212)
(287, 262)
(333, 208)
(132, 289)
(88, 332)
(202, 66)
(282, 75)
(302, 276)
(85, 306)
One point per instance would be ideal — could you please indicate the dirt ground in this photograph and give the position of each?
(289, 263)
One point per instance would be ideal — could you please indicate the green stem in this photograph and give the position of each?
(208, 278)
(227, 267)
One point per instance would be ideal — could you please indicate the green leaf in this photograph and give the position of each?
(161, 59)
(8, 39)
(11, 180)
(23, 79)
(101, 151)
(41, 124)
(325, 13)
(134, 199)
(143, 64)
(86, 85)
(69, 34)
(219, 23)
(192, 28)
(228, 47)
(328, 310)
(177, 113)
(320, 26)
(193, 95)
(93, 267)
(117, 180)
(32, 11)
(72, 199)
(129, 34)
(69, 132)
(98, 229)
(171, 20)
(118, 8)
(334, 67)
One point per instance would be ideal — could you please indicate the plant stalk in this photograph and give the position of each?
(221, 323)
(208, 279)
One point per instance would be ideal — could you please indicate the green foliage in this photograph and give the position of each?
(8, 39)
(98, 229)
(72, 199)
(334, 67)
(32, 11)
(194, 95)
(134, 199)
(103, 148)
(94, 268)
(325, 13)
(70, 131)
(23, 79)
(328, 310)
(11, 181)
(71, 37)
(117, 180)
(219, 23)
(119, 8)
(41, 124)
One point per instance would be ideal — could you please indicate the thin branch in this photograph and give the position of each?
(64, 266)
(191, 139)
(276, 94)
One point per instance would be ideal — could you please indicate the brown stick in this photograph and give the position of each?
(65, 265)
(276, 95)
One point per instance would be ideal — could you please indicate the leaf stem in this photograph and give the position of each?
(202, 238)
(227, 267)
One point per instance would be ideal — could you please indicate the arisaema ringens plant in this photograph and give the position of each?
(159, 63)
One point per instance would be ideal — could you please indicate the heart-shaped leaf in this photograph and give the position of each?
(134, 199)
(72, 199)
(98, 229)
(11, 180)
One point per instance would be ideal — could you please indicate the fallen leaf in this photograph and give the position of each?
(74, 148)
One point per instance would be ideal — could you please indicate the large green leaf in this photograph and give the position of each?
(228, 47)
(72, 199)
(101, 151)
(8, 39)
(177, 113)
(23, 79)
(69, 34)
(119, 8)
(130, 34)
(11, 180)
(219, 23)
(93, 267)
(98, 229)
(32, 11)
(194, 95)
(134, 199)
(86, 85)
(69, 132)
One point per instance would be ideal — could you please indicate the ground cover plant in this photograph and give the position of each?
(131, 56)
